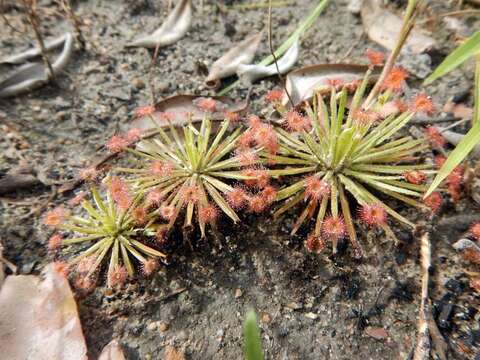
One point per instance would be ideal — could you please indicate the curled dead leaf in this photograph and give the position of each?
(31, 53)
(173, 29)
(378, 333)
(253, 72)
(383, 27)
(40, 318)
(33, 75)
(302, 83)
(227, 65)
(178, 108)
(454, 138)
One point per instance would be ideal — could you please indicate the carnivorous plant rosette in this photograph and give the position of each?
(112, 228)
(190, 172)
(343, 154)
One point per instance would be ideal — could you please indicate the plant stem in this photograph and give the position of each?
(273, 53)
(287, 43)
(408, 22)
(29, 6)
(476, 113)
(67, 7)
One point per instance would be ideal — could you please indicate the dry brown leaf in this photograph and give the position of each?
(176, 108)
(173, 354)
(112, 351)
(173, 29)
(303, 82)
(227, 65)
(377, 333)
(39, 319)
(383, 27)
(462, 111)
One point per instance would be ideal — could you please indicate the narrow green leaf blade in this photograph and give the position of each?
(471, 139)
(456, 57)
(253, 344)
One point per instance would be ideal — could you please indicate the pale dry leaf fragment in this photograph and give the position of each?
(469, 249)
(249, 73)
(33, 75)
(173, 354)
(454, 138)
(227, 65)
(39, 319)
(384, 27)
(355, 6)
(378, 333)
(3, 264)
(112, 351)
(302, 83)
(173, 29)
(2, 267)
(34, 52)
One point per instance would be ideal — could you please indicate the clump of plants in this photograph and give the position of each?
(196, 172)
(336, 160)
(336, 154)
(194, 175)
(112, 229)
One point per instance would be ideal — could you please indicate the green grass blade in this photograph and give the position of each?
(253, 343)
(471, 139)
(456, 57)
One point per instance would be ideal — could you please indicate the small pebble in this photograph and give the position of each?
(294, 306)
(266, 318)
(163, 327)
(138, 83)
(238, 293)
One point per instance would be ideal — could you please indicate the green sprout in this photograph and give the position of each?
(350, 152)
(111, 228)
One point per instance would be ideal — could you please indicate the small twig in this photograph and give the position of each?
(67, 7)
(260, 5)
(451, 13)
(427, 328)
(351, 48)
(168, 296)
(29, 6)
(272, 52)
(422, 349)
(7, 22)
(426, 120)
(407, 27)
(459, 122)
(150, 74)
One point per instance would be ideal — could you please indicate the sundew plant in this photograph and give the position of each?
(335, 154)
(338, 158)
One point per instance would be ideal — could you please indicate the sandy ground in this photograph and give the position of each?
(309, 307)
